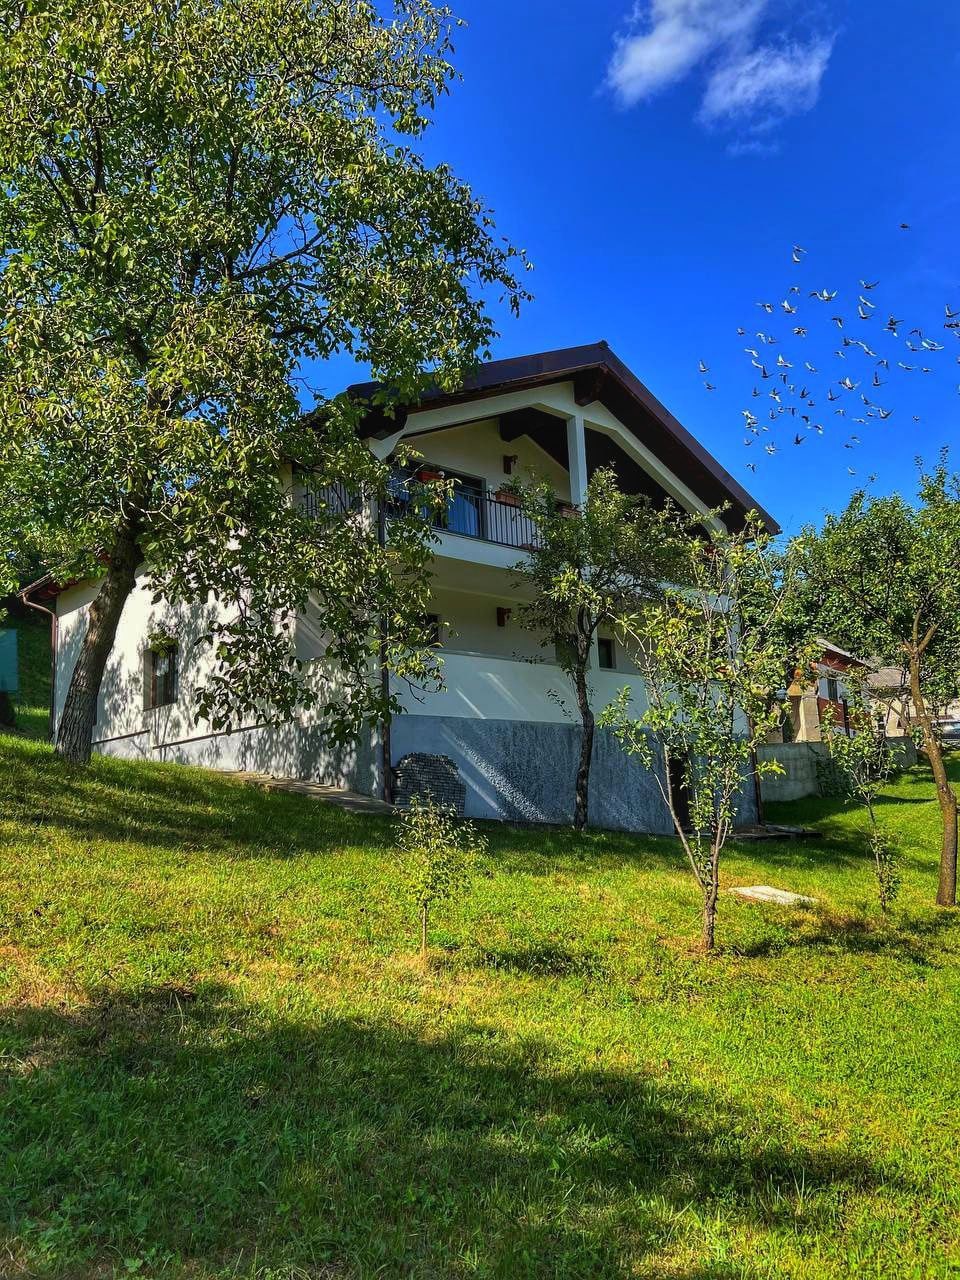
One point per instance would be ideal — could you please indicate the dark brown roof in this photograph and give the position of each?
(597, 374)
(45, 588)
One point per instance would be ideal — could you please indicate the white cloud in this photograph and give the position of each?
(681, 34)
(750, 82)
(767, 80)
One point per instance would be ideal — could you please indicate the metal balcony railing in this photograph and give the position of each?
(468, 513)
(475, 515)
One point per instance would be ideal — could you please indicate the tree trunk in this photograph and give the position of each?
(424, 958)
(947, 887)
(710, 894)
(75, 731)
(588, 723)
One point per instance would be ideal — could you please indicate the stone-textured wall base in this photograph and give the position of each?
(524, 772)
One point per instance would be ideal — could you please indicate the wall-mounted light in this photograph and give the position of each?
(510, 460)
(503, 615)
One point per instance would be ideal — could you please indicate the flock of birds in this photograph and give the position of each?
(802, 396)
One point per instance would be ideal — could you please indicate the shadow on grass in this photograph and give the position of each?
(182, 1128)
(170, 807)
(179, 807)
(911, 940)
(547, 960)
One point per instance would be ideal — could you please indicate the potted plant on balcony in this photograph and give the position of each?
(508, 497)
(427, 474)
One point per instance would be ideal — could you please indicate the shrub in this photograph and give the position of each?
(438, 852)
(886, 866)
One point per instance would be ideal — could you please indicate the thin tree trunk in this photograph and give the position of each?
(588, 728)
(710, 894)
(947, 887)
(75, 731)
(424, 959)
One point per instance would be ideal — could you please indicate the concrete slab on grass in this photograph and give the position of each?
(764, 893)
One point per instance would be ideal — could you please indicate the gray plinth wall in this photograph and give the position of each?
(524, 772)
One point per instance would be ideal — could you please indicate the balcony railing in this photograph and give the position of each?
(475, 515)
(467, 513)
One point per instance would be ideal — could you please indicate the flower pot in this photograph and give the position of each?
(508, 498)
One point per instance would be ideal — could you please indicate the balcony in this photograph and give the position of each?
(471, 513)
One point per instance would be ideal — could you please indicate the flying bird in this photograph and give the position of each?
(824, 295)
(798, 253)
(703, 368)
(865, 286)
(767, 307)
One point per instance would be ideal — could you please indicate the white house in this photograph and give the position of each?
(498, 719)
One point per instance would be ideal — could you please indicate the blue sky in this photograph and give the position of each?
(658, 161)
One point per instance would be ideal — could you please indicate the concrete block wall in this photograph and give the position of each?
(799, 761)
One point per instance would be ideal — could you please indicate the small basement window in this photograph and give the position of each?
(606, 653)
(160, 675)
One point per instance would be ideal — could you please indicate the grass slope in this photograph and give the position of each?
(219, 1059)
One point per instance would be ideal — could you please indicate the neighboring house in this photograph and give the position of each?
(511, 739)
(892, 703)
(889, 692)
(835, 689)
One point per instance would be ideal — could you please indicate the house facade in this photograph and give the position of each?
(504, 723)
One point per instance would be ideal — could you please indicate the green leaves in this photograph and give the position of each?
(595, 567)
(710, 651)
(197, 197)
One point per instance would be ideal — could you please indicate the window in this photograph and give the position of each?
(160, 670)
(465, 509)
(606, 653)
(832, 691)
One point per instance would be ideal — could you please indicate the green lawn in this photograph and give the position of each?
(219, 1058)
